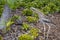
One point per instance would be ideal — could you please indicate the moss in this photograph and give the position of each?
(1, 9)
(15, 17)
(27, 12)
(35, 15)
(22, 4)
(25, 37)
(34, 32)
(31, 19)
(25, 26)
(1, 38)
(9, 23)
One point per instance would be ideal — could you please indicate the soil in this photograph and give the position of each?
(54, 33)
(16, 31)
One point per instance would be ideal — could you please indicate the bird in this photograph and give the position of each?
(43, 19)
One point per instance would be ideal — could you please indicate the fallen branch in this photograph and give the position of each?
(43, 20)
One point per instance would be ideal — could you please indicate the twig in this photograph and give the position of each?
(44, 30)
(48, 31)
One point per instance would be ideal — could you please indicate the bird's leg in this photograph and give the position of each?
(44, 30)
(48, 31)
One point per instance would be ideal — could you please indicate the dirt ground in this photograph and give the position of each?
(55, 31)
(53, 35)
